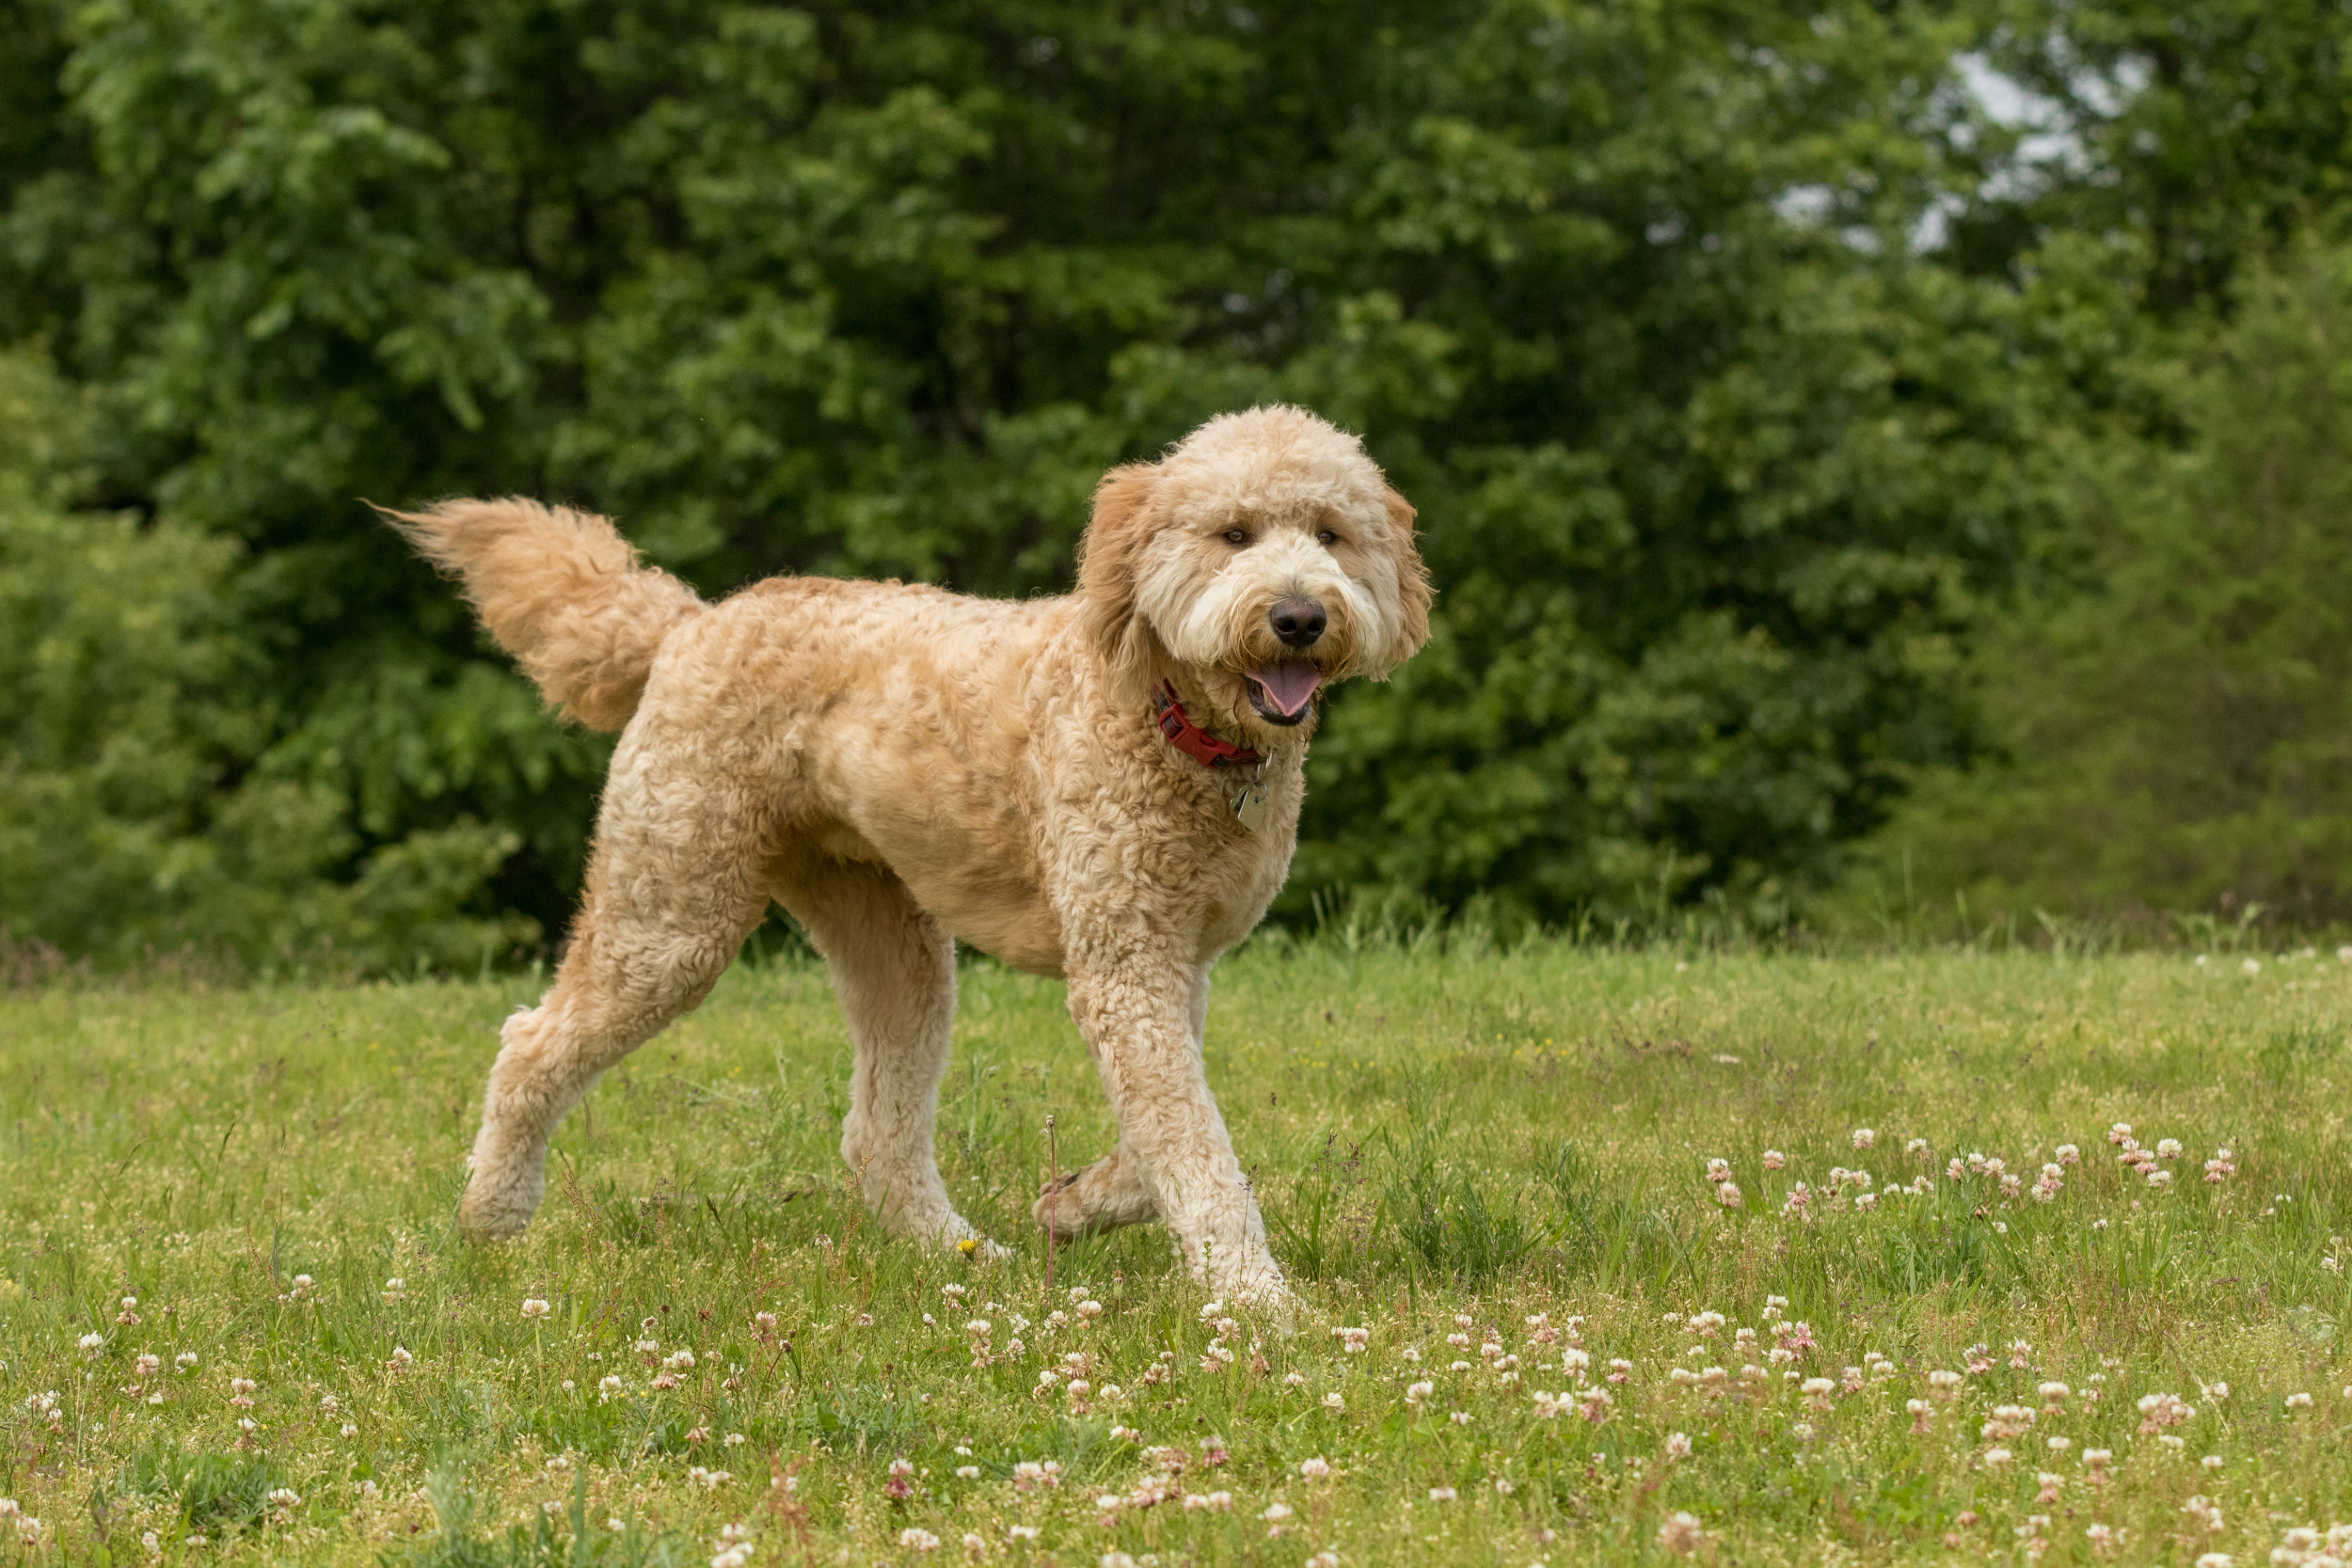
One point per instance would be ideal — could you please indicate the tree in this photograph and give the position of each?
(2178, 737)
(131, 820)
(1716, 460)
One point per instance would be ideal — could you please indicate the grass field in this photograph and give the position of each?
(1573, 1345)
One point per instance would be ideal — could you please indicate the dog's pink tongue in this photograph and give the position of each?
(1289, 685)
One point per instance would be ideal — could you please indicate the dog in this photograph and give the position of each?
(1103, 787)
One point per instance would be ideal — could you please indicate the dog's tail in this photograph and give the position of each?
(562, 591)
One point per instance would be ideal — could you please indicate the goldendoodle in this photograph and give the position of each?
(1103, 787)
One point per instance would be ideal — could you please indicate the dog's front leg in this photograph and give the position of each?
(1135, 1010)
(1113, 1191)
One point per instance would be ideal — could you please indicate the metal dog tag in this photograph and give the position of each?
(1249, 804)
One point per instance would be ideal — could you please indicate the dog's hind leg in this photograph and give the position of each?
(678, 878)
(894, 970)
(1114, 1190)
(1107, 1195)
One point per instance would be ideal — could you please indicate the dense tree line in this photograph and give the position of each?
(1746, 369)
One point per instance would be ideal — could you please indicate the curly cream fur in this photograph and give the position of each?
(560, 590)
(903, 768)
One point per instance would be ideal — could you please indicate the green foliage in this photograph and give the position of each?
(1447, 1217)
(205, 1150)
(217, 1494)
(2179, 737)
(139, 809)
(1743, 369)
(462, 1543)
(2206, 133)
(1715, 463)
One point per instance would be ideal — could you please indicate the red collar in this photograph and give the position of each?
(1207, 749)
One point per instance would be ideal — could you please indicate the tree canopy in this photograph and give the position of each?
(1721, 346)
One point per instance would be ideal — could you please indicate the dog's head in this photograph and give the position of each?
(1265, 556)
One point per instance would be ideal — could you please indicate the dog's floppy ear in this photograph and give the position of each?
(1412, 579)
(1108, 559)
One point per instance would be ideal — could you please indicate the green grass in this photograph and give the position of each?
(1445, 1142)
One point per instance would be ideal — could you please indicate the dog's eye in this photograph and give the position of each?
(1326, 538)
(1237, 537)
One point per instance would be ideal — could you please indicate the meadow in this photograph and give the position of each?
(2009, 1255)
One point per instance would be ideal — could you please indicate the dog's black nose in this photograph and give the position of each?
(1297, 621)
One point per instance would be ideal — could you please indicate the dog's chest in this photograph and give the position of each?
(1239, 865)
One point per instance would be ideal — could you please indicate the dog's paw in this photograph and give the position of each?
(1102, 1196)
(496, 1210)
(959, 1235)
(1060, 1209)
(486, 1225)
(960, 1238)
(1254, 1285)
(1270, 1300)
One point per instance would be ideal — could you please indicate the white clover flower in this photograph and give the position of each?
(1680, 1535)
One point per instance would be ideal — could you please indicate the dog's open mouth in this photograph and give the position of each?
(1281, 692)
